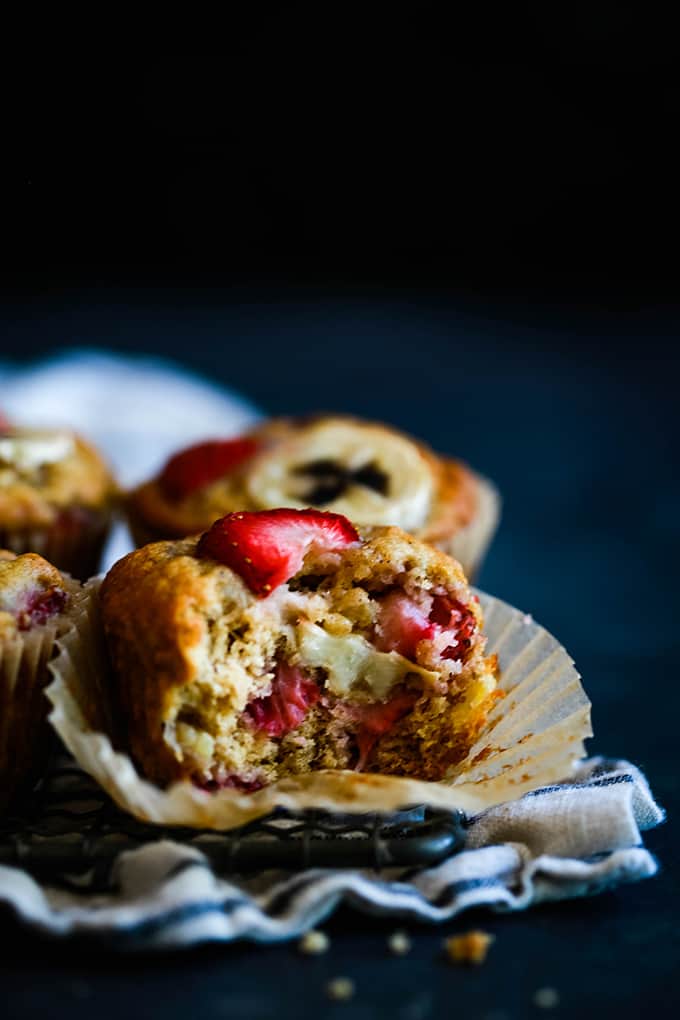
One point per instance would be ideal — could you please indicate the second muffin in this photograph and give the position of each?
(369, 472)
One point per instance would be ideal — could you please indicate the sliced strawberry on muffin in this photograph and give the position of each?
(284, 641)
(199, 465)
(269, 547)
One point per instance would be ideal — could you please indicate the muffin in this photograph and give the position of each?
(34, 604)
(368, 472)
(282, 642)
(56, 497)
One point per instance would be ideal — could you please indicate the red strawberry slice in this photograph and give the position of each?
(267, 547)
(285, 708)
(41, 606)
(451, 615)
(233, 782)
(199, 465)
(377, 719)
(401, 625)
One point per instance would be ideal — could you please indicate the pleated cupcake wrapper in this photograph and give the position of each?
(469, 545)
(73, 542)
(23, 706)
(534, 735)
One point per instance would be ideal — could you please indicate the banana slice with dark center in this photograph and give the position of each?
(365, 472)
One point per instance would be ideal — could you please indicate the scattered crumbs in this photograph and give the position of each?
(546, 998)
(399, 943)
(527, 619)
(314, 943)
(471, 947)
(340, 989)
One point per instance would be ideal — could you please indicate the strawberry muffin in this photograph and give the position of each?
(285, 641)
(56, 497)
(368, 472)
(34, 604)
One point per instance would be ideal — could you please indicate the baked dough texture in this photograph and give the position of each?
(371, 658)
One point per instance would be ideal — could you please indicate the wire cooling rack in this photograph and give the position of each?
(70, 831)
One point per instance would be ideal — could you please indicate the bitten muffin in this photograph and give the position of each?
(283, 641)
(56, 497)
(34, 604)
(368, 472)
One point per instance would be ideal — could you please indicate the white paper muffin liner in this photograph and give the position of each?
(534, 736)
(23, 707)
(469, 545)
(72, 543)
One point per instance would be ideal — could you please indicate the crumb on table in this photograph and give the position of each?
(399, 943)
(340, 989)
(314, 942)
(546, 998)
(471, 947)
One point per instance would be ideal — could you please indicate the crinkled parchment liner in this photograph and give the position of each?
(469, 545)
(23, 707)
(534, 736)
(73, 542)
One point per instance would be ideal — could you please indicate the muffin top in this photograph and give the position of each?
(32, 591)
(170, 594)
(43, 471)
(366, 471)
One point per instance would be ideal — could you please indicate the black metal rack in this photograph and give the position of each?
(69, 830)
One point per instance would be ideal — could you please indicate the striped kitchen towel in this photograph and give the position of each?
(572, 839)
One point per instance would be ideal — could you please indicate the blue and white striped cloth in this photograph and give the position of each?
(563, 841)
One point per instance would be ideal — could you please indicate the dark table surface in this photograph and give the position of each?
(573, 413)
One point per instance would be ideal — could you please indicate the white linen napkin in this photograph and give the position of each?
(572, 839)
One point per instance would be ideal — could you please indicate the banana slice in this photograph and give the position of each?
(27, 449)
(365, 472)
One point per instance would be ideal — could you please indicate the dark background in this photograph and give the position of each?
(467, 227)
(523, 152)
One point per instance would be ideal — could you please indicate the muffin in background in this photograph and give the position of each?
(369, 472)
(56, 497)
(34, 603)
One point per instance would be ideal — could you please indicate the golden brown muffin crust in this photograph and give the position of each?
(32, 495)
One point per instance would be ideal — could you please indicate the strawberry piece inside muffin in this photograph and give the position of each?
(31, 592)
(283, 641)
(292, 695)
